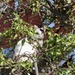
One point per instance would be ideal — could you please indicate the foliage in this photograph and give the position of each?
(61, 12)
(9, 64)
(69, 71)
(19, 29)
(56, 46)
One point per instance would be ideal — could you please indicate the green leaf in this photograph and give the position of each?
(23, 64)
(13, 70)
(2, 63)
(23, 41)
(0, 40)
(68, 1)
(34, 9)
(15, 36)
(31, 33)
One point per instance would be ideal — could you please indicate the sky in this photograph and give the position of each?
(16, 4)
(51, 25)
(51, 1)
